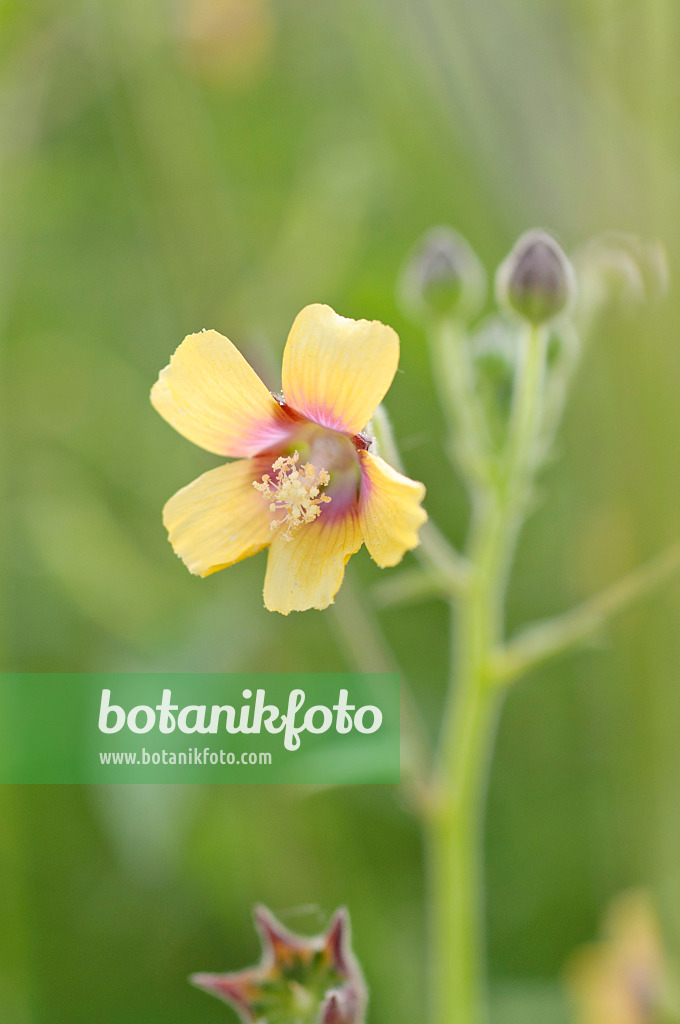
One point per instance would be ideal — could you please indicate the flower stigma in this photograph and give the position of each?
(295, 491)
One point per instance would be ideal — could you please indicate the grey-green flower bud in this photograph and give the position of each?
(443, 277)
(621, 269)
(536, 280)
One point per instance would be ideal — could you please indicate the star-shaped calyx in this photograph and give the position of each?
(299, 979)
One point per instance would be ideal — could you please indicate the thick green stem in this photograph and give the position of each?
(455, 822)
(455, 832)
(456, 873)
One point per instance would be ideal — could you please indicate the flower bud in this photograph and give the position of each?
(536, 280)
(622, 270)
(443, 277)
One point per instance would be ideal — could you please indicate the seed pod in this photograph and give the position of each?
(312, 980)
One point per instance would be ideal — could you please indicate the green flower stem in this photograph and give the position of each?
(454, 380)
(543, 640)
(483, 663)
(456, 812)
(456, 877)
(434, 551)
(521, 455)
(455, 836)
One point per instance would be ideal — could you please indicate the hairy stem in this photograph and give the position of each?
(454, 380)
(455, 821)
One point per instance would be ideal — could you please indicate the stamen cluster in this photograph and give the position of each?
(295, 491)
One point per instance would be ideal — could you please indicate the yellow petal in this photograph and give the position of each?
(390, 512)
(307, 570)
(337, 371)
(213, 397)
(219, 518)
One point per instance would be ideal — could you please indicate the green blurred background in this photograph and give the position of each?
(169, 165)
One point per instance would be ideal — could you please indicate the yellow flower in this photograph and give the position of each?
(622, 979)
(305, 482)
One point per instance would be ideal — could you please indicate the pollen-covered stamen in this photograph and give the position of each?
(295, 491)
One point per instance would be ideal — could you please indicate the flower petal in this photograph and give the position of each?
(219, 518)
(307, 570)
(213, 397)
(390, 511)
(336, 371)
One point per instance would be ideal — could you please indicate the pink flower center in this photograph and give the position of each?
(319, 468)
